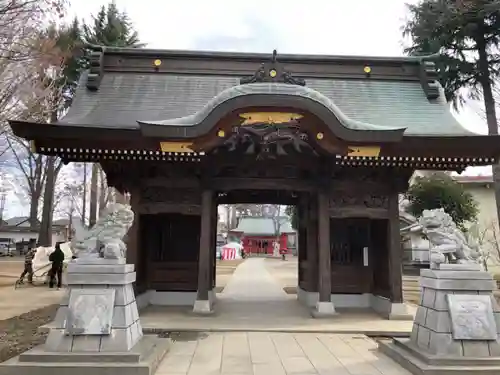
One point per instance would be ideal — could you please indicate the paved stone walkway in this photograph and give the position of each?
(253, 300)
(252, 295)
(261, 353)
(252, 282)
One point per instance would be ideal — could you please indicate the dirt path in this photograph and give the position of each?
(20, 333)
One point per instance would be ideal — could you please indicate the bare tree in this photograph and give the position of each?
(31, 171)
(104, 191)
(18, 20)
(31, 95)
(493, 236)
(69, 194)
(93, 194)
(481, 237)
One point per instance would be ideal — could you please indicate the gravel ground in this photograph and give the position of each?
(20, 333)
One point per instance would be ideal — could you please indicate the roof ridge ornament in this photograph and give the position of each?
(429, 79)
(272, 71)
(96, 65)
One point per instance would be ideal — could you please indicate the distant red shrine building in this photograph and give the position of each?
(258, 235)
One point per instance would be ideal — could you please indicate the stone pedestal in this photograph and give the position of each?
(97, 327)
(456, 327)
(205, 307)
(323, 310)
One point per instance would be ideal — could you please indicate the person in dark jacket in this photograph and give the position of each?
(57, 259)
(28, 266)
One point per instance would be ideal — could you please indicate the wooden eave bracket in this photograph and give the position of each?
(429, 79)
(95, 73)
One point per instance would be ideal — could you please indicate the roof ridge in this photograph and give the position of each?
(258, 56)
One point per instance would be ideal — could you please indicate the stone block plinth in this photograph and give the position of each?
(96, 329)
(457, 321)
(87, 301)
(323, 310)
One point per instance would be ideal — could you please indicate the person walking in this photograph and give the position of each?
(57, 259)
(28, 266)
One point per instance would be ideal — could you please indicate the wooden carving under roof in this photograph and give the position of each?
(272, 72)
(268, 135)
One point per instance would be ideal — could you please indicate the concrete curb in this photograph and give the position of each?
(155, 331)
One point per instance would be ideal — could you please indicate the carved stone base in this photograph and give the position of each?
(433, 328)
(103, 281)
(143, 359)
(456, 327)
(323, 310)
(203, 307)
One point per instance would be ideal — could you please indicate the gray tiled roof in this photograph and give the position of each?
(263, 226)
(125, 98)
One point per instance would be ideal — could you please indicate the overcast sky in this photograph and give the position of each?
(335, 27)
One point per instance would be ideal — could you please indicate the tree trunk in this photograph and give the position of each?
(45, 234)
(84, 198)
(36, 186)
(93, 195)
(234, 219)
(33, 218)
(490, 111)
(104, 191)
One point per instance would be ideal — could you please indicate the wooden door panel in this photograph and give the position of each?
(349, 272)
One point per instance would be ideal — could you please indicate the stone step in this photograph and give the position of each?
(143, 359)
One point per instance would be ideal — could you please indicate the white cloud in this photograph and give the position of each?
(353, 27)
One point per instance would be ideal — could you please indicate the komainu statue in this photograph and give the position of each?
(447, 242)
(105, 238)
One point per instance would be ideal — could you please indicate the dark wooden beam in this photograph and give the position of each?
(258, 197)
(395, 254)
(227, 184)
(324, 258)
(304, 274)
(133, 246)
(213, 244)
(371, 213)
(312, 241)
(172, 183)
(204, 263)
(154, 208)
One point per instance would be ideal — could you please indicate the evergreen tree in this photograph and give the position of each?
(113, 28)
(110, 27)
(441, 191)
(68, 46)
(465, 34)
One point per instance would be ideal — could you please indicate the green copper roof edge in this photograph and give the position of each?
(270, 89)
(148, 52)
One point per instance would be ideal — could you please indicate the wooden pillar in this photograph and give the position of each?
(204, 264)
(133, 245)
(213, 245)
(304, 274)
(312, 241)
(395, 254)
(324, 258)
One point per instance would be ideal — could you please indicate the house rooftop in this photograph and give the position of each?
(263, 226)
